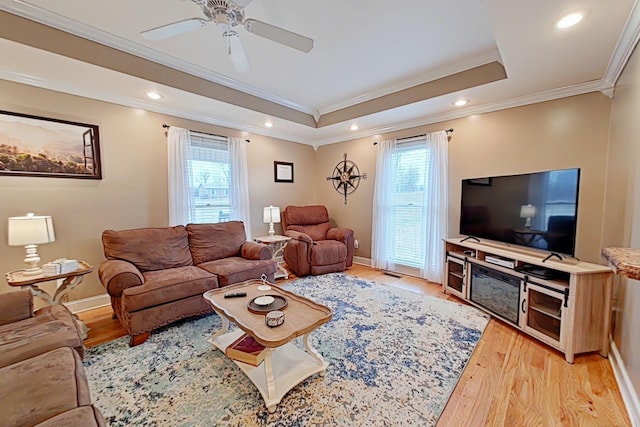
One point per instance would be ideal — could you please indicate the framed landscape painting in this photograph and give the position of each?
(41, 146)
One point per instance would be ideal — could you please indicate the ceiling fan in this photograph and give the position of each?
(228, 15)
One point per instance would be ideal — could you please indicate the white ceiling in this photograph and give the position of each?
(363, 49)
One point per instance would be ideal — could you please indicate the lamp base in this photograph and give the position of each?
(272, 231)
(32, 259)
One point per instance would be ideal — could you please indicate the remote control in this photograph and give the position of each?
(235, 294)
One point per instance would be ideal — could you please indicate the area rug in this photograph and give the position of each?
(394, 358)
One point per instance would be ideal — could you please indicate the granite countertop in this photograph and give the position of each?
(625, 260)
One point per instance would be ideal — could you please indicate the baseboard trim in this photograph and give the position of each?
(629, 395)
(85, 304)
(362, 261)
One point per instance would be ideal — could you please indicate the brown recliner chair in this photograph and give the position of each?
(315, 247)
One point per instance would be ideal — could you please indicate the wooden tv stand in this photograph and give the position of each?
(568, 306)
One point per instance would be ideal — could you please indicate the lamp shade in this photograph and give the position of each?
(527, 211)
(271, 215)
(30, 230)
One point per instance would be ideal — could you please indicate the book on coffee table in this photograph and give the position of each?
(246, 349)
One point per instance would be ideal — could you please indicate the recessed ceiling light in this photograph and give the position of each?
(153, 95)
(569, 20)
(461, 102)
(268, 124)
(354, 127)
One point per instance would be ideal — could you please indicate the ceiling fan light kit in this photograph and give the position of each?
(227, 15)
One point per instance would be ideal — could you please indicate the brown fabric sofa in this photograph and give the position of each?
(24, 334)
(156, 276)
(42, 381)
(315, 247)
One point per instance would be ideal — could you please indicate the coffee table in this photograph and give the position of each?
(285, 365)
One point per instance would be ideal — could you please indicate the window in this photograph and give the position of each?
(409, 163)
(209, 173)
(410, 206)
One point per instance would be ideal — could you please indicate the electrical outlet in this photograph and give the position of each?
(356, 244)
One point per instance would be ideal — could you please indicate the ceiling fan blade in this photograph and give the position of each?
(280, 35)
(236, 52)
(170, 30)
(241, 3)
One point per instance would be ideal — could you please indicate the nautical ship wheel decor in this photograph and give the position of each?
(346, 177)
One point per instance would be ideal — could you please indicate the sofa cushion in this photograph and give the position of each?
(306, 215)
(165, 286)
(42, 387)
(236, 269)
(209, 242)
(85, 416)
(52, 327)
(328, 252)
(149, 249)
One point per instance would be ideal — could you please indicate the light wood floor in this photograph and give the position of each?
(511, 379)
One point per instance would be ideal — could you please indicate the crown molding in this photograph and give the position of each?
(138, 103)
(475, 61)
(588, 87)
(550, 95)
(80, 29)
(624, 48)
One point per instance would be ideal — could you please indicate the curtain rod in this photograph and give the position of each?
(450, 130)
(166, 126)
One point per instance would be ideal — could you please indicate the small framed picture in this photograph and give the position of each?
(283, 171)
(480, 181)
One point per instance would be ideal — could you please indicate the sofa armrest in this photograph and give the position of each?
(341, 234)
(344, 235)
(255, 250)
(117, 275)
(15, 305)
(301, 237)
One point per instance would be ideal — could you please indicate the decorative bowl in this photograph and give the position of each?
(264, 300)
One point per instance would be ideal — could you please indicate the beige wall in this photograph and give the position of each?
(566, 133)
(133, 191)
(570, 132)
(622, 211)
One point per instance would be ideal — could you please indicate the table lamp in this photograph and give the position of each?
(527, 212)
(271, 215)
(30, 231)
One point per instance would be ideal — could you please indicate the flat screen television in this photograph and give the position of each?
(537, 210)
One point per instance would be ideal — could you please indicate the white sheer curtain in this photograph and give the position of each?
(410, 196)
(382, 209)
(239, 190)
(180, 198)
(435, 218)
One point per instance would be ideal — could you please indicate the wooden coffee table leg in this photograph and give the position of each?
(314, 353)
(271, 382)
(222, 330)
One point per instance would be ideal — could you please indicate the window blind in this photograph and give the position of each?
(209, 178)
(410, 163)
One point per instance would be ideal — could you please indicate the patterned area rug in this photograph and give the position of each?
(394, 359)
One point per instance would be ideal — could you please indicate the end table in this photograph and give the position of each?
(70, 281)
(277, 243)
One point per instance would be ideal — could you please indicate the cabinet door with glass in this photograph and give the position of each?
(455, 281)
(542, 308)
